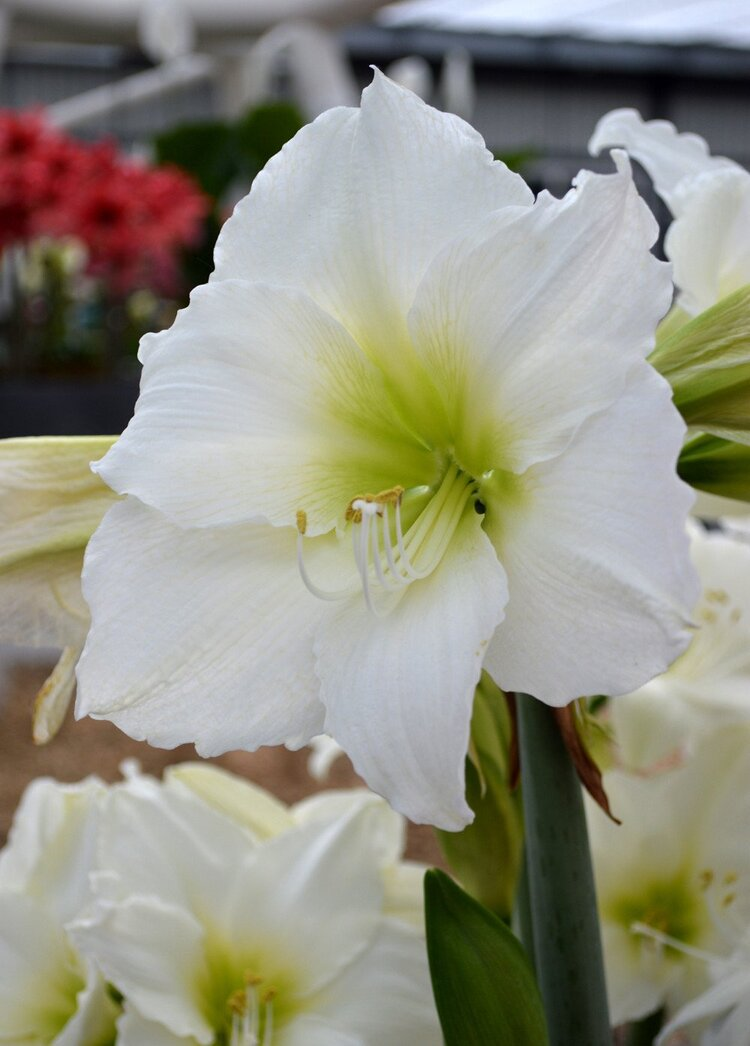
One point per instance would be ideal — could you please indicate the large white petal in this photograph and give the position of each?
(668, 156)
(168, 845)
(525, 330)
(399, 689)
(94, 1021)
(394, 968)
(387, 828)
(154, 954)
(599, 577)
(198, 635)
(356, 206)
(257, 403)
(709, 241)
(308, 901)
(241, 801)
(39, 978)
(52, 846)
(134, 1030)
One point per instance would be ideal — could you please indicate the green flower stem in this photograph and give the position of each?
(523, 924)
(567, 943)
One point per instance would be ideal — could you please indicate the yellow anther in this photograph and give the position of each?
(269, 995)
(251, 979)
(237, 1002)
(709, 616)
(728, 899)
(730, 878)
(705, 879)
(301, 521)
(385, 497)
(717, 595)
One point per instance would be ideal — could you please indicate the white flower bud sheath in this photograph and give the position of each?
(406, 433)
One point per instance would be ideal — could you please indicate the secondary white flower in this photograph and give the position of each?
(405, 433)
(710, 684)
(263, 815)
(709, 197)
(726, 1004)
(213, 936)
(678, 868)
(50, 994)
(50, 504)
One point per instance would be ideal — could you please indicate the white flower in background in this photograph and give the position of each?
(50, 504)
(265, 816)
(674, 878)
(214, 936)
(406, 432)
(726, 1004)
(709, 197)
(50, 993)
(709, 685)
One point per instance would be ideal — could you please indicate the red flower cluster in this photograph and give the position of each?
(132, 218)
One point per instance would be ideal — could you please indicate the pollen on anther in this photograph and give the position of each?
(301, 522)
(728, 899)
(705, 879)
(237, 1002)
(269, 995)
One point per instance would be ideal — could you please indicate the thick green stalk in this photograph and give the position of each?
(567, 943)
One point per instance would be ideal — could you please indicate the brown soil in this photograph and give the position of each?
(88, 747)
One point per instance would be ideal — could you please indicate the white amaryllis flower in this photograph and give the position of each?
(674, 878)
(709, 197)
(406, 432)
(265, 816)
(51, 994)
(214, 936)
(726, 1004)
(709, 685)
(50, 504)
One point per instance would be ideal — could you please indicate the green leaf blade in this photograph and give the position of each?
(484, 987)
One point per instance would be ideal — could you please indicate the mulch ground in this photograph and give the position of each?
(90, 747)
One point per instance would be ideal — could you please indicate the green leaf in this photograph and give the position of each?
(484, 988)
(206, 150)
(717, 466)
(262, 132)
(707, 363)
(486, 855)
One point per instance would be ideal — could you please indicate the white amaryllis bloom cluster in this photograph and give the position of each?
(708, 242)
(709, 685)
(203, 912)
(407, 432)
(673, 881)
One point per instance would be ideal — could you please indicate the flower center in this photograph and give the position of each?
(251, 1013)
(387, 558)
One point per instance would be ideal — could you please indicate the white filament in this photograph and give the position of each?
(246, 1026)
(378, 561)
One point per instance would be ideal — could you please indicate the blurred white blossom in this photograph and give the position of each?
(709, 197)
(673, 881)
(51, 994)
(709, 685)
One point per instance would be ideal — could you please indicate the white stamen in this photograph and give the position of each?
(321, 593)
(268, 1031)
(376, 559)
(644, 930)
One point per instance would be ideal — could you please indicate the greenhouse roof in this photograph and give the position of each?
(723, 23)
